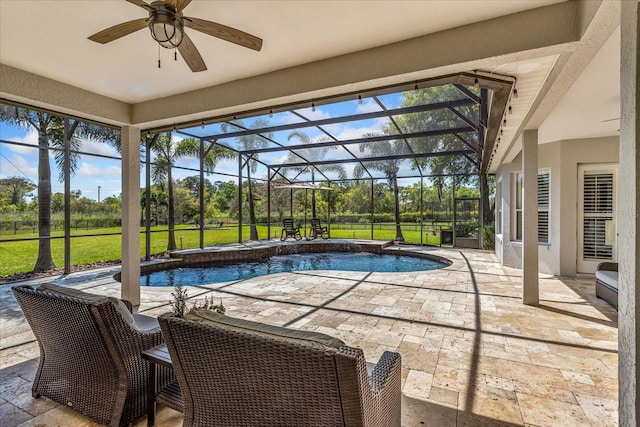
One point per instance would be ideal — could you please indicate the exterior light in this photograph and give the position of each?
(515, 93)
(359, 99)
(510, 110)
(313, 106)
(476, 83)
(270, 113)
(166, 28)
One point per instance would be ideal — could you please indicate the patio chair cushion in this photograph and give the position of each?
(609, 278)
(308, 338)
(75, 293)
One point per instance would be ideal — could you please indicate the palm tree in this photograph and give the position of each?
(167, 152)
(251, 142)
(50, 130)
(389, 167)
(311, 155)
(157, 197)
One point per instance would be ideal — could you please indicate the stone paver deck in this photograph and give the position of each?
(472, 353)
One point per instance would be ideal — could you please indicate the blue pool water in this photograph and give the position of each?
(345, 261)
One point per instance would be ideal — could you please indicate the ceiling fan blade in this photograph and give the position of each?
(191, 55)
(141, 3)
(112, 33)
(223, 32)
(178, 4)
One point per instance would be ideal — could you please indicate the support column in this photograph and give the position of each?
(130, 288)
(239, 198)
(629, 219)
(67, 195)
(530, 292)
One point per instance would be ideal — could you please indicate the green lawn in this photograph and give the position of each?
(20, 257)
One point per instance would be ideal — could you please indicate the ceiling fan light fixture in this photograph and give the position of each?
(166, 28)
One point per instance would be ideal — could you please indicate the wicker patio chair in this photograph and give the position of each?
(90, 352)
(317, 230)
(289, 230)
(233, 372)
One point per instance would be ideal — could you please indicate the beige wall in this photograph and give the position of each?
(562, 159)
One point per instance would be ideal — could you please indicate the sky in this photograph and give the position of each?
(98, 177)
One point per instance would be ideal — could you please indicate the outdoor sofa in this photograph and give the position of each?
(607, 282)
(234, 372)
(90, 352)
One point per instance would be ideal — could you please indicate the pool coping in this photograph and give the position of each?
(253, 251)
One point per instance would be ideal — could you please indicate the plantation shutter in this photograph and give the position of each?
(598, 211)
(543, 207)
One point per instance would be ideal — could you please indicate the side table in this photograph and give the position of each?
(169, 395)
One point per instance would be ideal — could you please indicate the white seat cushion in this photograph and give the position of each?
(608, 277)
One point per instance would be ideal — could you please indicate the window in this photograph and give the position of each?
(598, 213)
(543, 207)
(518, 208)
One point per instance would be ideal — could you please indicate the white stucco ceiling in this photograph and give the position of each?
(49, 38)
(568, 88)
(591, 106)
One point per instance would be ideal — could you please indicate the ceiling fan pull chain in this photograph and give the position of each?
(175, 54)
(158, 56)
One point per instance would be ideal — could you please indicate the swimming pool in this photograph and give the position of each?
(345, 261)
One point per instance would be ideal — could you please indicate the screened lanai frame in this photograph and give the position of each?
(478, 135)
(490, 92)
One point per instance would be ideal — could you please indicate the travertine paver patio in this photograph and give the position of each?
(473, 355)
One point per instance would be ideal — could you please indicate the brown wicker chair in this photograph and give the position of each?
(237, 376)
(90, 352)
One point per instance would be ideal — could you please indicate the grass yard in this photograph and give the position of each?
(20, 257)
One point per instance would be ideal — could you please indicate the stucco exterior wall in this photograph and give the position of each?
(561, 159)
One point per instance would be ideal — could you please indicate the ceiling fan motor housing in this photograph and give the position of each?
(166, 25)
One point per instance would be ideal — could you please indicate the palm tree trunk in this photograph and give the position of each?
(171, 244)
(396, 209)
(45, 260)
(487, 212)
(253, 233)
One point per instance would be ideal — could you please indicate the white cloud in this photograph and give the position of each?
(368, 106)
(31, 138)
(101, 148)
(188, 162)
(286, 118)
(18, 166)
(90, 170)
(226, 166)
(355, 133)
(319, 114)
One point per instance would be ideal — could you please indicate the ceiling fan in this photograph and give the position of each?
(167, 24)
